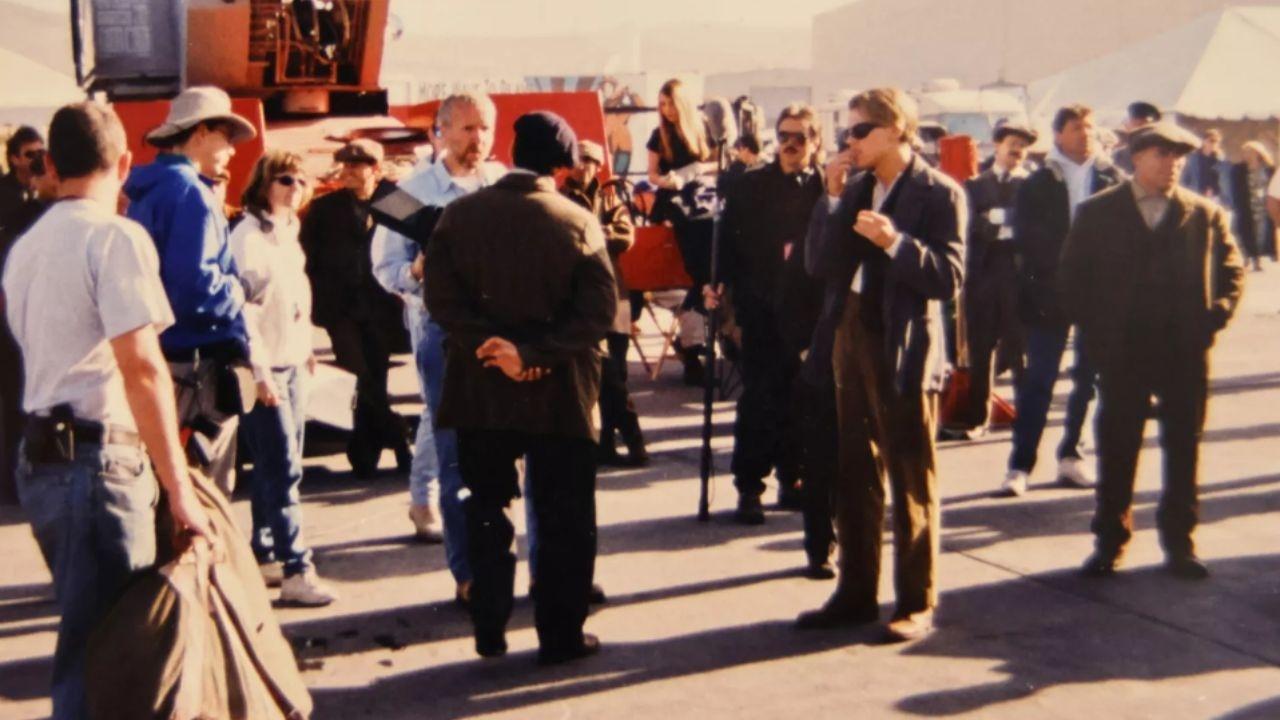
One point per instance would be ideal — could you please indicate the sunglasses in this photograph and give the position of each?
(785, 137)
(861, 130)
(290, 181)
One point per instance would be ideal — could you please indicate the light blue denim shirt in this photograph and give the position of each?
(393, 254)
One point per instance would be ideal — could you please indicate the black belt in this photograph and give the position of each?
(38, 428)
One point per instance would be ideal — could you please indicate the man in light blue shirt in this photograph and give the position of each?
(465, 126)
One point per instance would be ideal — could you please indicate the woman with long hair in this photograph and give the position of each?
(679, 152)
(278, 314)
(1249, 181)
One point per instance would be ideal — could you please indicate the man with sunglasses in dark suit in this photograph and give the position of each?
(892, 252)
(765, 219)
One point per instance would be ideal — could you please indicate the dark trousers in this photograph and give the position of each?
(11, 417)
(1045, 347)
(362, 350)
(617, 412)
(883, 433)
(1125, 403)
(561, 481)
(991, 324)
(820, 455)
(764, 436)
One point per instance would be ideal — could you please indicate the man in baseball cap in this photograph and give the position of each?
(173, 199)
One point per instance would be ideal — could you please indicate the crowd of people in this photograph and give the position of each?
(162, 337)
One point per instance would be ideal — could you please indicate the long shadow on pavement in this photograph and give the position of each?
(1046, 630)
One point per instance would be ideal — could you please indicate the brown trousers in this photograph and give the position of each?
(883, 433)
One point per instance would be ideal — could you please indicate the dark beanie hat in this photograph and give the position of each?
(544, 142)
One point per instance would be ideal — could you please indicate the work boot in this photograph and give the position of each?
(1187, 567)
(750, 510)
(790, 496)
(590, 646)
(637, 455)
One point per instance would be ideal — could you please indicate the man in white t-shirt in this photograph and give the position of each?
(85, 303)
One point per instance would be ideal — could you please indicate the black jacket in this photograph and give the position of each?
(765, 212)
(1242, 216)
(518, 260)
(986, 193)
(931, 213)
(1041, 222)
(336, 235)
(12, 198)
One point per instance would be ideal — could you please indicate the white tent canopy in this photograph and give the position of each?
(30, 92)
(1222, 65)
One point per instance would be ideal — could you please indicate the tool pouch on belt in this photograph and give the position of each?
(51, 440)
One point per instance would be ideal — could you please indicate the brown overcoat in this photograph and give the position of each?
(519, 261)
(1096, 275)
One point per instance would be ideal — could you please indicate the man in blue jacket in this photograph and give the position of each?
(173, 199)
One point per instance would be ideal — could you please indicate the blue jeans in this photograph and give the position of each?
(94, 519)
(1045, 347)
(274, 436)
(436, 449)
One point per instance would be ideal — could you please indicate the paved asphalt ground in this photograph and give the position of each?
(698, 624)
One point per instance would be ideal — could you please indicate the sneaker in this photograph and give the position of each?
(1073, 472)
(305, 589)
(1014, 485)
(426, 524)
(272, 573)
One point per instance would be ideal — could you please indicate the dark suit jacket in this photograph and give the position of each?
(1097, 282)
(932, 215)
(1041, 223)
(520, 261)
(764, 212)
(336, 235)
(985, 193)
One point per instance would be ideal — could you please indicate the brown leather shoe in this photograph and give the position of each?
(910, 627)
(832, 615)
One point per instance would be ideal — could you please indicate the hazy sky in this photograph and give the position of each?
(541, 17)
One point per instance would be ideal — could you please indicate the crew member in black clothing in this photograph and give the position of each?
(765, 220)
(44, 189)
(990, 279)
(17, 186)
(618, 415)
(364, 321)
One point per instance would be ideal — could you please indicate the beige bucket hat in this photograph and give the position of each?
(200, 104)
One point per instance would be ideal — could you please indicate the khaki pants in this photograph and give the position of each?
(196, 392)
(882, 433)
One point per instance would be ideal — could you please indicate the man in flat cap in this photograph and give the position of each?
(1139, 114)
(362, 319)
(520, 279)
(1150, 272)
(173, 198)
(990, 278)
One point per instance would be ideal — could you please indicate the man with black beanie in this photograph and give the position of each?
(519, 278)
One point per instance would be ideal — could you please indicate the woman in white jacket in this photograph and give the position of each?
(278, 313)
